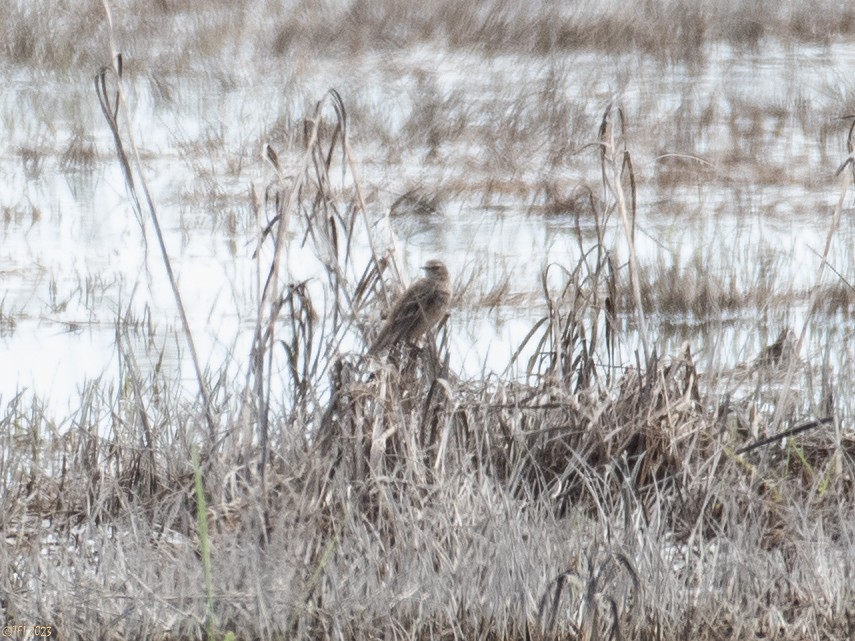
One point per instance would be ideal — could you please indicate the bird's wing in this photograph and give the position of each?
(407, 313)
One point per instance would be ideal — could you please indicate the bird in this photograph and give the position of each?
(418, 309)
(781, 351)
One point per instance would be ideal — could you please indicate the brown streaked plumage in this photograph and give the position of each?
(418, 309)
(781, 351)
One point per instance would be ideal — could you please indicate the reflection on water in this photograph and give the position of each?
(734, 174)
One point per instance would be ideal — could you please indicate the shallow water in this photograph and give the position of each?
(73, 259)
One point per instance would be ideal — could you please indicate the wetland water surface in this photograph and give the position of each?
(734, 159)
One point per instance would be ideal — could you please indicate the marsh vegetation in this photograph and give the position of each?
(635, 422)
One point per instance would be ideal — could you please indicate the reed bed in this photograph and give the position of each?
(178, 32)
(577, 495)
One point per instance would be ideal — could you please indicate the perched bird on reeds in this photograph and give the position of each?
(781, 351)
(418, 309)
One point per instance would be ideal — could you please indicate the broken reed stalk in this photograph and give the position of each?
(608, 152)
(111, 113)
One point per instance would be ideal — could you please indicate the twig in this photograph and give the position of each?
(790, 432)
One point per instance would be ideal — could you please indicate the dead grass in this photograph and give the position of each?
(448, 139)
(67, 35)
(580, 494)
(591, 490)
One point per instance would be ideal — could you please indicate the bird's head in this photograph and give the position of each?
(436, 269)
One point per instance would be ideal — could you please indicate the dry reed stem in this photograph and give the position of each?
(111, 115)
(610, 153)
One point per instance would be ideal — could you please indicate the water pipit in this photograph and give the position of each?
(418, 309)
